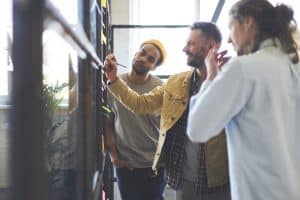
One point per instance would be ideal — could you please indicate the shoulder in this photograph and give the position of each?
(155, 80)
(235, 67)
(123, 76)
(245, 61)
(180, 76)
(259, 60)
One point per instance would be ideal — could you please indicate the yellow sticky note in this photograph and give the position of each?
(104, 39)
(106, 109)
(103, 3)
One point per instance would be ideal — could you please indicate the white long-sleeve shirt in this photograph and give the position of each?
(257, 98)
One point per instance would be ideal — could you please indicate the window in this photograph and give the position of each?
(170, 12)
(157, 12)
(56, 51)
(5, 49)
(58, 55)
(206, 12)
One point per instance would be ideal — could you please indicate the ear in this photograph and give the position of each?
(213, 44)
(249, 23)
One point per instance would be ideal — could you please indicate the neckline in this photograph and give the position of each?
(138, 83)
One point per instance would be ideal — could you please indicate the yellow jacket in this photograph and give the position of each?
(171, 100)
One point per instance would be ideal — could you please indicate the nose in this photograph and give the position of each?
(184, 49)
(144, 58)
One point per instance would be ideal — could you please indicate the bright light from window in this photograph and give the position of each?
(68, 9)
(58, 54)
(162, 12)
(56, 51)
(207, 9)
(158, 12)
(5, 33)
(173, 12)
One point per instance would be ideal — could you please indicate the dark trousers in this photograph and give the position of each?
(140, 184)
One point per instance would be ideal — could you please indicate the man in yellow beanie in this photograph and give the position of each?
(160, 47)
(131, 139)
(195, 171)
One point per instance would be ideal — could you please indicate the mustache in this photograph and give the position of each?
(139, 62)
(200, 53)
(188, 54)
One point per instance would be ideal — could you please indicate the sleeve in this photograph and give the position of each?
(138, 103)
(217, 102)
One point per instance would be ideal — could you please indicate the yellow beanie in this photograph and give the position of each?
(158, 44)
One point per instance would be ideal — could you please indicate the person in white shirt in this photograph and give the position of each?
(256, 96)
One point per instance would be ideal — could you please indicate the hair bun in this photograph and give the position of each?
(285, 12)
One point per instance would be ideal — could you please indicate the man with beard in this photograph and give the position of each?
(131, 138)
(195, 171)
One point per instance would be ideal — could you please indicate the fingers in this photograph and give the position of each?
(223, 60)
(222, 53)
(214, 61)
(109, 62)
(213, 52)
(111, 57)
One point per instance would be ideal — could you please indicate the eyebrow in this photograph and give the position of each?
(148, 55)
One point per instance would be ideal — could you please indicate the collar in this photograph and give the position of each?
(270, 42)
(187, 78)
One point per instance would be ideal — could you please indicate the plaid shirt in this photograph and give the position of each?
(174, 151)
(175, 147)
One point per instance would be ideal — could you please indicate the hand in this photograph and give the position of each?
(110, 68)
(222, 59)
(214, 62)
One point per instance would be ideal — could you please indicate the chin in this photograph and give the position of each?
(239, 52)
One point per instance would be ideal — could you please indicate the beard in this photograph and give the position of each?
(196, 61)
(139, 68)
